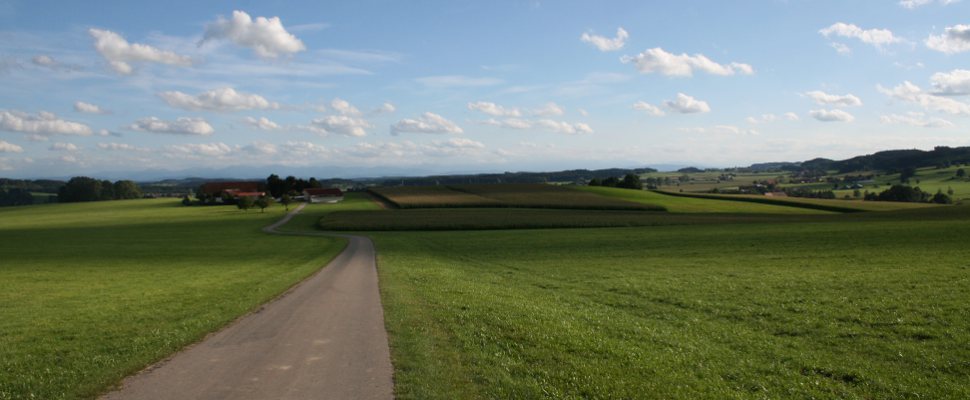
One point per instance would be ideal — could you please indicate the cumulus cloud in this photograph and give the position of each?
(426, 123)
(494, 109)
(200, 149)
(120, 54)
(262, 123)
(303, 149)
(44, 60)
(339, 124)
(831, 115)
(660, 61)
(89, 108)
(841, 48)
(564, 127)
(344, 108)
(604, 43)
(911, 93)
(955, 39)
(648, 108)
(112, 146)
(385, 108)
(766, 118)
(953, 83)
(875, 37)
(7, 147)
(824, 99)
(685, 104)
(260, 148)
(916, 119)
(61, 146)
(722, 130)
(912, 4)
(549, 110)
(509, 123)
(265, 36)
(449, 81)
(222, 99)
(181, 126)
(43, 123)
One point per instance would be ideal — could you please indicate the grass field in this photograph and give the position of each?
(836, 205)
(93, 292)
(504, 195)
(871, 305)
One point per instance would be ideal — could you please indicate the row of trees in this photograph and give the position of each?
(909, 194)
(291, 184)
(82, 188)
(629, 181)
(16, 197)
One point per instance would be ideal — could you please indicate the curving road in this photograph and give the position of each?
(324, 339)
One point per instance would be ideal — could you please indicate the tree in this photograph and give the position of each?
(903, 193)
(245, 203)
(611, 181)
(275, 185)
(285, 200)
(186, 201)
(314, 183)
(107, 190)
(79, 188)
(126, 189)
(961, 173)
(264, 201)
(856, 193)
(941, 198)
(631, 181)
(906, 173)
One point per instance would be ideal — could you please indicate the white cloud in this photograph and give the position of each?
(181, 126)
(265, 36)
(648, 108)
(722, 130)
(385, 108)
(200, 149)
(831, 115)
(658, 60)
(448, 81)
(875, 37)
(120, 54)
(7, 147)
(917, 119)
(427, 123)
(549, 110)
(260, 148)
(604, 43)
(685, 104)
(222, 99)
(766, 118)
(119, 147)
(303, 149)
(564, 127)
(89, 108)
(44, 123)
(914, 94)
(821, 98)
(841, 48)
(911, 4)
(33, 137)
(955, 39)
(956, 82)
(583, 112)
(344, 108)
(509, 123)
(339, 124)
(61, 146)
(43, 60)
(262, 123)
(494, 109)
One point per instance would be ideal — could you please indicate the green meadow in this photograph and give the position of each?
(92, 292)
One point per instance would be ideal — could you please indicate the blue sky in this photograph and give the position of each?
(96, 87)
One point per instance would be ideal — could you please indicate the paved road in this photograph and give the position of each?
(325, 339)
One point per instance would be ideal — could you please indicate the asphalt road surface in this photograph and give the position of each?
(324, 339)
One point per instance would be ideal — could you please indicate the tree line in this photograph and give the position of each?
(629, 181)
(82, 188)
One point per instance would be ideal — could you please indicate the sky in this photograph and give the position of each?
(109, 88)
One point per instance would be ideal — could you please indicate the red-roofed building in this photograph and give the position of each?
(323, 195)
(234, 189)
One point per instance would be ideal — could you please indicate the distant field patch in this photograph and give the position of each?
(696, 204)
(833, 205)
(504, 195)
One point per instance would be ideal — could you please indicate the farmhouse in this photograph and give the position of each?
(323, 195)
(234, 189)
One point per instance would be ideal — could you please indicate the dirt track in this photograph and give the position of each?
(324, 339)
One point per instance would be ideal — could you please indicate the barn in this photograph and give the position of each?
(323, 195)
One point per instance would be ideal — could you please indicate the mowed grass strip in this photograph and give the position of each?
(866, 307)
(94, 292)
(504, 195)
(696, 204)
